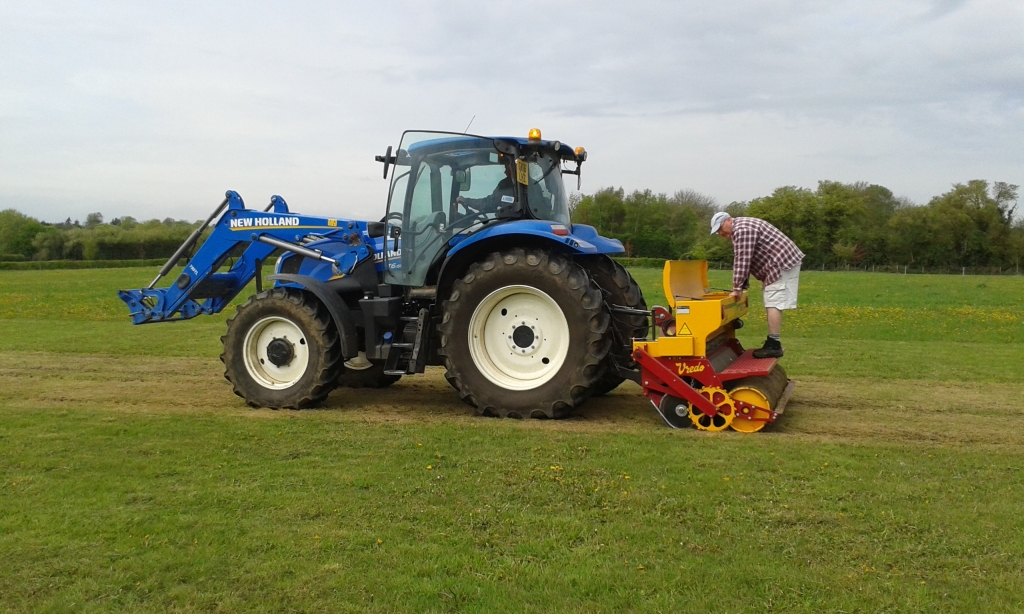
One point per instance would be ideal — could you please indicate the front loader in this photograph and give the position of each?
(475, 266)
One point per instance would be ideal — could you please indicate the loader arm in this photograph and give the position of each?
(202, 288)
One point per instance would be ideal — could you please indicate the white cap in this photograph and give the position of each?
(717, 219)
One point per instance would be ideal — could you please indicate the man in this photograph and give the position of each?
(504, 193)
(761, 250)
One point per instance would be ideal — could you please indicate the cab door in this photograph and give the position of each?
(432, 170)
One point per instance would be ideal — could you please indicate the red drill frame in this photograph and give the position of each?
(663, 375)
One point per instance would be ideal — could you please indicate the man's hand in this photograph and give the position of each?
(736, 294)
(461, 201)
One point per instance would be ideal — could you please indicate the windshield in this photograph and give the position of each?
(443, 185)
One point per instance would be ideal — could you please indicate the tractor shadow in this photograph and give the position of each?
(429, 396)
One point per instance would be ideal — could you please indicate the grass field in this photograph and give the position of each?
(132, 479)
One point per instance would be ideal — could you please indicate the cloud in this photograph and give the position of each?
(121, 106)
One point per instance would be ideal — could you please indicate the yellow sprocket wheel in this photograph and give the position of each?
(722, 402)
(750, 419)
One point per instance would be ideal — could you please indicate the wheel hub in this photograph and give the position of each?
(675, 412)
(280, 352)
(525, 338)
(275, 352)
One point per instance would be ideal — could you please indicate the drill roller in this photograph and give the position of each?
(757, 399)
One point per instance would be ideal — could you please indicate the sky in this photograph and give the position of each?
(154, 109)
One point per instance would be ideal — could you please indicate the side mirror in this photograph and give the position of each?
(463, 178)
(387, 159)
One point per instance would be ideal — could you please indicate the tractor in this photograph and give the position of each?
(475, 267)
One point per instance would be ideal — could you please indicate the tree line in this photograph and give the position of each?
(26, 238)
(859, 224)
(837, 224)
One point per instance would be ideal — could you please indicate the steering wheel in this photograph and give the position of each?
(472, 213)
(470, 210)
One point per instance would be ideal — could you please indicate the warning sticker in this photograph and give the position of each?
(685, 330)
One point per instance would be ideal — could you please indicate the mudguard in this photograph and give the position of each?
(579, 238)
(339, 311)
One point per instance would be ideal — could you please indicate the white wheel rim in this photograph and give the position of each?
(518, 337)
(259, 366)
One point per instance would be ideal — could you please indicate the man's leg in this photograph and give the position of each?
(774, 321)
(772, 347)
(778, 296)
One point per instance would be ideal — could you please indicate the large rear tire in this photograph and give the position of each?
(281, 350)
(619, 289)
(522, 335)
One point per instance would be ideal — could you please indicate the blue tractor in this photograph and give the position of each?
(475, 266)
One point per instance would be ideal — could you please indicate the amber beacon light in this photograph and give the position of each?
(534, 134)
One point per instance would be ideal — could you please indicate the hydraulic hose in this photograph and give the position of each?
(315, 254)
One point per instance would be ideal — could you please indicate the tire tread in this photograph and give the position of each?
(329, 348)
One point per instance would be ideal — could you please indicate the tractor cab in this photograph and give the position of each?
(446, 185)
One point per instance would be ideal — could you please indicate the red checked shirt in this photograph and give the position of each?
(761, 250)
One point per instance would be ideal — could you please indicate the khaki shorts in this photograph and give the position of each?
(782, 294)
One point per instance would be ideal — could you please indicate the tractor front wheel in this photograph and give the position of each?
(523, 335)
(281, 350)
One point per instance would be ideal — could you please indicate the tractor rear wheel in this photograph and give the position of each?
(523, 334)
(359, 372)
(619, 289)
(281, 350)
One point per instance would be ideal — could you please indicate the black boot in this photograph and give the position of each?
(772, 348)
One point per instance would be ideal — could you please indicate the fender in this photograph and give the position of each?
(580, 238)
(339, 311)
